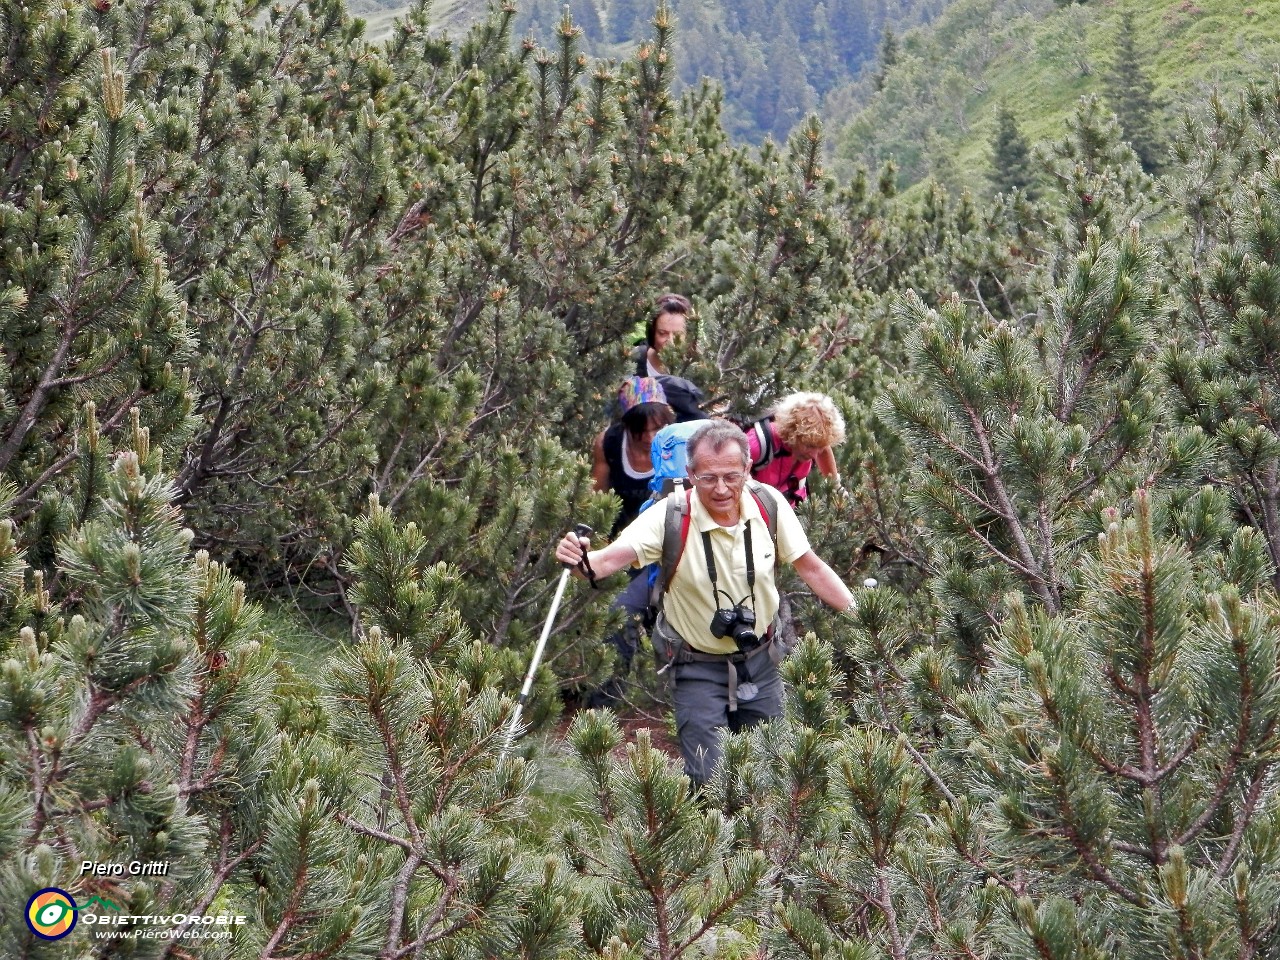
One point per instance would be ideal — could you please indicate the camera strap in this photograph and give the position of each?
(740, 684)
(711, 565)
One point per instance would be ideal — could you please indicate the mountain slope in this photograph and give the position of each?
(936, 114)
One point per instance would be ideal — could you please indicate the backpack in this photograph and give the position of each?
(669, 484)
(667, 453)
(763, 429)
(683, 396)
(793, 483)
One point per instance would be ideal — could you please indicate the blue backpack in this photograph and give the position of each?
(669, 458)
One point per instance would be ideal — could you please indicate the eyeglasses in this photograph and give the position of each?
(672, 305)
(712, 480)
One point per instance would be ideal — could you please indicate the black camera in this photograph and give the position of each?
(738, 623)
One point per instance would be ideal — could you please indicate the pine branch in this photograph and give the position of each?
(349, 821)
(987, 464)
(919, 560)
(289, 917)
(920, 760)
(1134, 849)
(884, 900)
(416, 472)
(66, 844)
(482, 746)
(508, 609)
(1243, 819)
(1255, 940)
(99, 703)
(286, 48)
(1126, 770)
(396, 768)
(1068, 399)
(410, 223)
(658, 899)
(35, 404)
(713, 916)
(226, 866)
(1090, 482)
(1186, 932)
(295, 467)
(1270, 503)
(938, 922)
(140, 35)
(40, 786)
(191, 789)
(1180, 757)
(1043, 588)
(1027, 572)
(456, 329)
(976, 286)
(400, 900)
(1097, 869)
(1047, 563)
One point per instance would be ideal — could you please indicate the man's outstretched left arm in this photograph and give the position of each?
(822, 580)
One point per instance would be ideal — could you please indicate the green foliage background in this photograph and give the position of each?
(303, 337)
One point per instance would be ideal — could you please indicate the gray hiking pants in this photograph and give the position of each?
(702, 707)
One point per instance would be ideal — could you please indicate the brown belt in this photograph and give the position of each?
(689, 655)
(682, 652)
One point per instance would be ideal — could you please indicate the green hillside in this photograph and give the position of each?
(935, 115)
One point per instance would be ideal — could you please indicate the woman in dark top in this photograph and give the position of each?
(620, 461)
(667, 326)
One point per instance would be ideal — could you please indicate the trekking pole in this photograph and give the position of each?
(580, 530)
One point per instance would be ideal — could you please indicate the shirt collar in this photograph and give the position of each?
(702, 521)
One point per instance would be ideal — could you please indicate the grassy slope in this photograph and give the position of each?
(452, 16)
(940, 100)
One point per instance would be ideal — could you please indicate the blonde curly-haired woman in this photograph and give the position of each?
(787, 443)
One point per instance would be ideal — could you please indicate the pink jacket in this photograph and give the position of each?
(784, 472)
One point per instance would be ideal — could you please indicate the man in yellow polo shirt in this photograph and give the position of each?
(719, 607)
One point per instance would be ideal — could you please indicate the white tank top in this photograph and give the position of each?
(631, 471)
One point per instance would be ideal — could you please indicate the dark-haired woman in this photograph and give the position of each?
(621, 462)
(667, 325)
(620, 459)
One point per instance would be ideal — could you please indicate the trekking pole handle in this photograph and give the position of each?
(582, 530)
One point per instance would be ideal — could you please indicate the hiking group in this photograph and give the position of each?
(707, 517)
